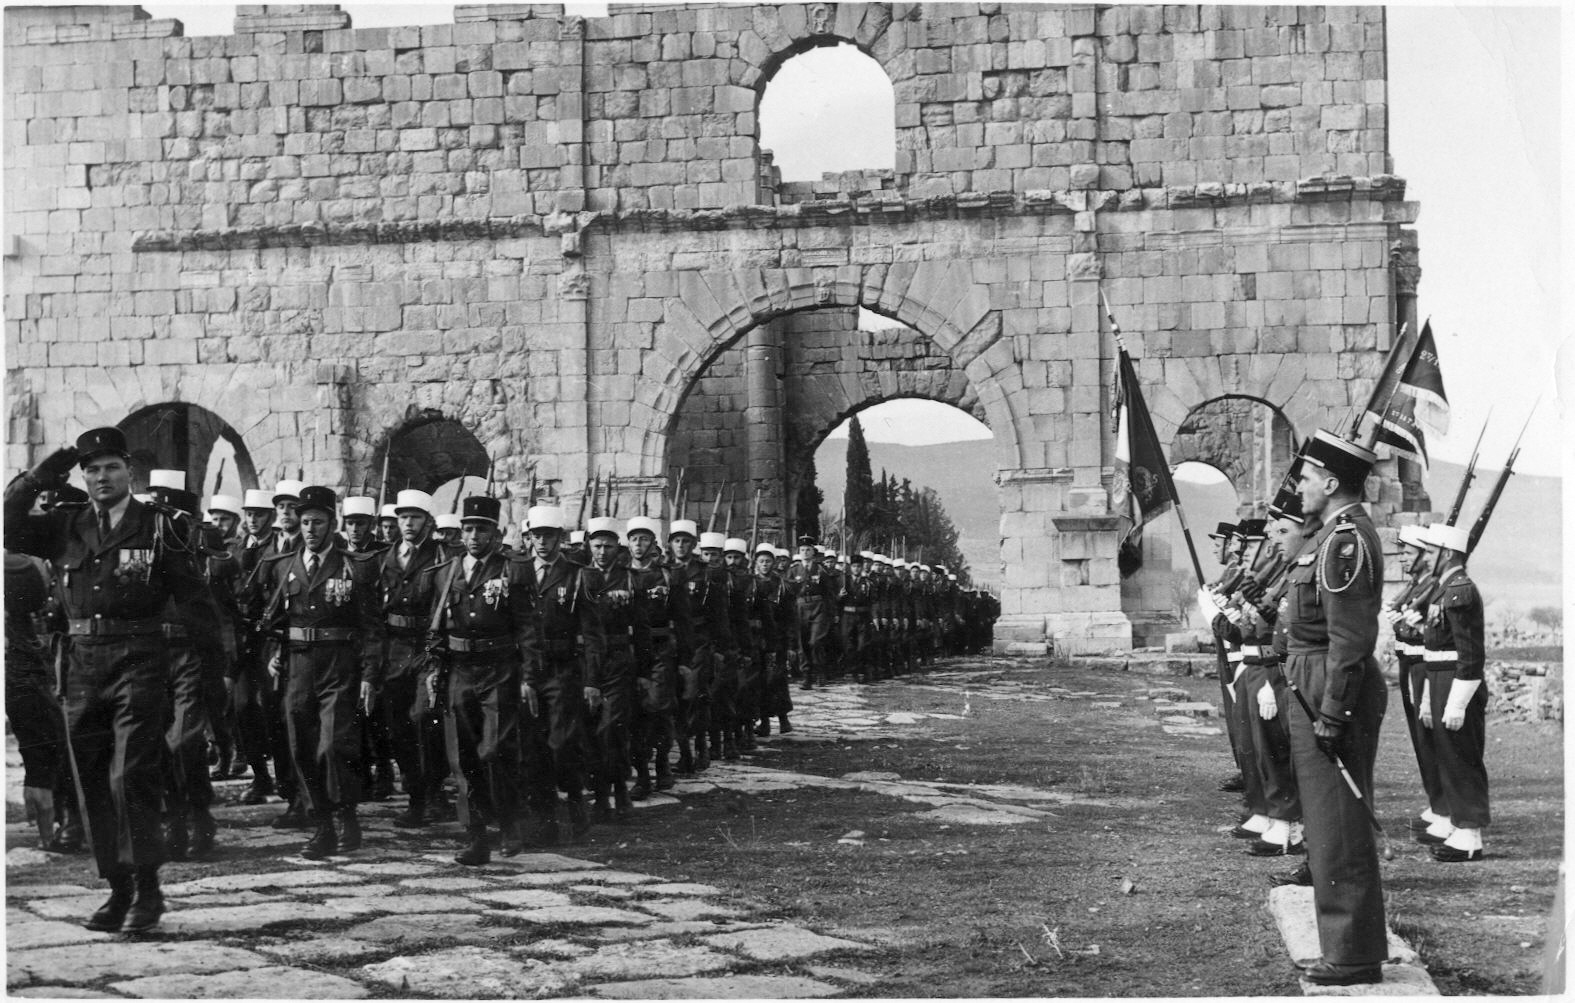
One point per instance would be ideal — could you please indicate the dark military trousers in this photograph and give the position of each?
(1269, 777)
(1462, 774)
(722, 688)
(34, 716)
(1342, 850)
(259, 710)
(609, 725)
(191, 686)
(1413, 673)
(751, 681)
(116, 712)
(483, 719)
(777, 694)
(415, 732)
(554, 746)
(694, 692)
(651, 725)
(855, 630)
(814, 630)
(320, 712)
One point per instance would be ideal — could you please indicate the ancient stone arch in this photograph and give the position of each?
(181, 436)
(548, 227)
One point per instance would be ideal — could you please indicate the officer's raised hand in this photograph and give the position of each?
(55, 468)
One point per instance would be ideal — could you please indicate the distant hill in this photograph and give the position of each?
(1514, 567)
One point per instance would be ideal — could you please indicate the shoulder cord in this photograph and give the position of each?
(1361, 560)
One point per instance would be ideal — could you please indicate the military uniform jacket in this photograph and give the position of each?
(1455, 624)
(706, 595)
(855, 594)
(765, 596)
(407, 592)
(342, 596)
(569, 620)
(496, 601)
(624, 623)
(663, 603)
(1335, 591)
(122, 578)
(1418, 595)
(815, 588)
(738, 618)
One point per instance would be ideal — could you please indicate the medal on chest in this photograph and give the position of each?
(338, 590)
(495, 591)
(133, 566)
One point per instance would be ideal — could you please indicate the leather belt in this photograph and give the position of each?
(176, 632)
(98, 626)
(321, 635)
(855, 609)
(479, 644)
(406, 622)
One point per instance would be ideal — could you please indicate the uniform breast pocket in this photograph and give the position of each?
(1303, 594)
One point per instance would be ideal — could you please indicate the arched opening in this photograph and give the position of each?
(180, 436)
(830, 110)
(426, 454)
(937, 480)
(1249, 439)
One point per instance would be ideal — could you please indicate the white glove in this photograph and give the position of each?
(1424, 706)
(1412, 617)
(1391, 615)
(1233, 615)
(1268, 710)
(1460, 693)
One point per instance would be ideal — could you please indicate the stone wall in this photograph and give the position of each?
(547, 228)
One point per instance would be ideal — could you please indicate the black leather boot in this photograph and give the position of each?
(294, 817)
(110, 915)
(323, 842)
(413, 817)
(476, 851)
(579, 821)
(349, 830)
(177, 839)
(147, 903)
(204, 831)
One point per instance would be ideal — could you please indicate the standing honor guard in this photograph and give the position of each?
(323, 606)
(482, 632)
(560, 685)
(415, 728)
(1332, 604)
(1405, 613)
(1452, 707)
(119, 564)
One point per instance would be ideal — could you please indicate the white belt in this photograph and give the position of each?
(1233, 656)
(1440, 656)
(1406, 648)
(1252, 651)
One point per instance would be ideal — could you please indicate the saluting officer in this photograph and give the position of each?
(1453, 704)
(1333, 602)
(116, 579)
(415, 727)
(483, 632)
(562, 683)
(324, 608)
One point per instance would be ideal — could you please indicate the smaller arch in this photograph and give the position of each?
(177, 435)
(1247, 438)
(424, 452)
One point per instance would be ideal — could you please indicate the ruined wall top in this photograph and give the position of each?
(521, 110)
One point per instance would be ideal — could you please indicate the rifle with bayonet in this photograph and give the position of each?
(1478, 527)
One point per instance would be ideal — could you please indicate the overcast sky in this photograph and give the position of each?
(1475, 127)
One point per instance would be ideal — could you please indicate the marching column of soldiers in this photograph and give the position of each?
(1295, 615)
(326, 645)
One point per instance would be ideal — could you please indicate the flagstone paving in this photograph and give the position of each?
(398, 918)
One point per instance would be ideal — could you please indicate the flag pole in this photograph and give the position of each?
(1129, 378)
(1389, 370)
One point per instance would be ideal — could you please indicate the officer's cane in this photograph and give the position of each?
(1334, 757)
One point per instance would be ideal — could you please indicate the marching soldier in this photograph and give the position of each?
(661, 603)
(323, 607)
(1405, 613)
(854, 599)
(415, 726)
(257, 704)
(611, 584)
(224, 513)
(815, 590)
(447, 532)
(118, 571)
(1453, 704)
(388, 524)
(31, 707)
(768, 600)
(706, 599)
(199, 677)
(562, 684)
(359, 515)
(722, 693)
(1332, 603)
(483, 633)
(739, 729)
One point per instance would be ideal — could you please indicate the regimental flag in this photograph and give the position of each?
(1141, 488)
(1417, 404)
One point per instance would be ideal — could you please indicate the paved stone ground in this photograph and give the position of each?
(400, 918)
